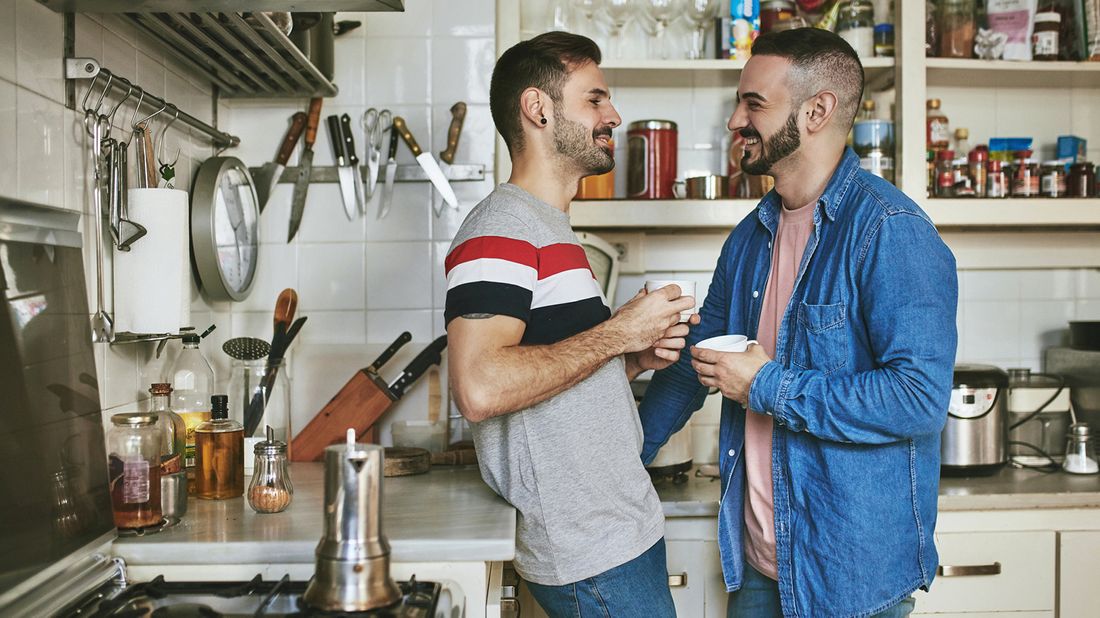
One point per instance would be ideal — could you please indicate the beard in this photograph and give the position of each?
(775, 148)
(576, 144)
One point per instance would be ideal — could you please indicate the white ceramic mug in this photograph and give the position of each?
(727, 343)
(687, 288)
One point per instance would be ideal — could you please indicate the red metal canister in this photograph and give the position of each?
(651, 159)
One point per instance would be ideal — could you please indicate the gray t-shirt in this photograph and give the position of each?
(570, 465)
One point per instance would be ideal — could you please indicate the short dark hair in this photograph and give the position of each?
(543, 62)
(821, 60)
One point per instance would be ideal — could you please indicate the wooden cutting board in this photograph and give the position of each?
(405, 461)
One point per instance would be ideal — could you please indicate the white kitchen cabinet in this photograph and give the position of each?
(1078, 567)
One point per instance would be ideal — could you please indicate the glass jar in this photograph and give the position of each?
(884, 40)
(774, 11)
(945, 173)
(219, 454)
(963, 182)
(133, 463)
(957, 29)
(1044, 38)
(856, 24)
(270, 490)
(192, 385)
(931, 29)
(1025, 176)
(1080, 452)
(173, 429)
(996, 179)
(259, 392)
(1052, 179)
(978, 158)
(937, 130)
(1082, 180)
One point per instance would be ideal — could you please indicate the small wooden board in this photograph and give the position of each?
(405, 461)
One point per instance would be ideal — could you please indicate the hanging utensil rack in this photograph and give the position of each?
(88, 68)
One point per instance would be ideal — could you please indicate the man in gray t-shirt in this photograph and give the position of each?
(537, 361)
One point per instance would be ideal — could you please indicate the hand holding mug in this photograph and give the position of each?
(729, 363)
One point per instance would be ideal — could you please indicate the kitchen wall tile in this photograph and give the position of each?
(1088, 283)
(261, 125)
(277, 270)
(348, 73)
(971, 108)
(77, 161)
(275, 219)
(416, 20)
(334, 327)
(1044, 323)
(398, 70)
(1015, 107)
(88, 41)
(1054, 284)
(476, 144)
(409, 218)
(992, 329)
(40, 137)
(439, 274)
(150, 75)
(324, 219)
(331, 276)
(39, 41)
(399, 275)
(1088, 309)
(439, 324)
(120, 57)
(684, 252)
(121, 376)
(7, 41)
(659, 100)
(474, 18)
(469, 194)
(9, 156)
(459, 69)
(627, 287)
(692, 162)
(385, 326)
(985, 285)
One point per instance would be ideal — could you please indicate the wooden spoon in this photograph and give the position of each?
(285, 306)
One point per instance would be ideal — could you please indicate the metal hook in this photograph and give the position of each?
(102, 95)
(163, 131)
(141, 97)
(88, 92)
(163, 107)
(111, 115)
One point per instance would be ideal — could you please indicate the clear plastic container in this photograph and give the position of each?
(856, 24)
(1080, 452)
(420, 434)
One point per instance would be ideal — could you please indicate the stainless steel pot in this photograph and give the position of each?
(976, 434)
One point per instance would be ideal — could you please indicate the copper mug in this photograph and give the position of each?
(708, 187)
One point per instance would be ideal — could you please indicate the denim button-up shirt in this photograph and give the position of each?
(858, 389)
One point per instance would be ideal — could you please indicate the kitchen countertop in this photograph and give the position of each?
(1009, 489)
(446, 515)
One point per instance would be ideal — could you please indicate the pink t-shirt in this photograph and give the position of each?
(795, 227)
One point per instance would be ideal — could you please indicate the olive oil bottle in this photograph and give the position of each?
(219, 454)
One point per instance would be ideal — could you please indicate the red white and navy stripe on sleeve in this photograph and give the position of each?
(551, 288)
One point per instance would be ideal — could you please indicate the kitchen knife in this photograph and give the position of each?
(429, 356)
(353, 162)
(447, 156)
(305, 169)
(388, 353)
(343, 166)
(269, 174)
(427, 163)
(391, 175)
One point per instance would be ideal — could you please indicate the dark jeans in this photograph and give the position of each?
(759, 598)
(635, 588)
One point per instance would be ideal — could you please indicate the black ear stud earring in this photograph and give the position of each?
(542, 120)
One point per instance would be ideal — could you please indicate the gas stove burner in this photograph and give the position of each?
(155, 528)
(186, 610)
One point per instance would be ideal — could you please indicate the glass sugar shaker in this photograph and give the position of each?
(1080, 452)
(270, 490)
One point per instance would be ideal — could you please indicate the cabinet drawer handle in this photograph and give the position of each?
(678, 580)
(969, 569)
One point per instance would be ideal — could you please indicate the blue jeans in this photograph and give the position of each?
(759, 598)
(635, 588)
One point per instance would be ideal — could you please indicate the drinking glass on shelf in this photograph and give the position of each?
(586, 11)
(618, 13)
(660, 14)
(700, 14)
(559, 16)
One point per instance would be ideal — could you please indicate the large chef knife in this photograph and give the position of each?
(427, 162)
(343, 165)
(353, 162)
(305, 169)
(429, 356)
(447, 156)
(391, 176)
(269, 174)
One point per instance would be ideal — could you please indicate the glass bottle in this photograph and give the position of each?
(193, 384)
(867, 110)
(945, 173)
(978, 159)
(937, 128)
(260, 393)
(957, 29)
(219, 454)
(133, 467)
(172, 427)
(931, 29)
(856, 24)
(1080, 452)
(270, 490)
(962, 141)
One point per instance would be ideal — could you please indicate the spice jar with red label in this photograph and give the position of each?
(651, 159)
(978, 158)
(1025, 176)
(996, 179)
(945, 173)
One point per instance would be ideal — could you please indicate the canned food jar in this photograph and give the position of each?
(1082, 180)
(1052, 181)
(1025, 178)
(773, 12)
(651, 159)
(996, 179)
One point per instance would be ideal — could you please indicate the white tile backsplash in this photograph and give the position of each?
(331, 277)
(40, 47)
(7, 41)
(459, 69)
(40, 136)
(399, 275)
(9, 156)
(470, 18)
(384, 326)
(398, 70)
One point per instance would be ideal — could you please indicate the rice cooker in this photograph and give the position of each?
(974, 440)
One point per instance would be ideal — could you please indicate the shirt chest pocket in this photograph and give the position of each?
(821, 337)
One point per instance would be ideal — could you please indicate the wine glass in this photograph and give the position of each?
(586, 10)
(700, 14)
(660, 14)
(618, 13)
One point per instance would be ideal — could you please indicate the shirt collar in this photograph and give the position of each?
(768, 209)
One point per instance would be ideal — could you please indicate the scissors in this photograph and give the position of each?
(375, 123)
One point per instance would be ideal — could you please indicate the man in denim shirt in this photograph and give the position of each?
(830, 436)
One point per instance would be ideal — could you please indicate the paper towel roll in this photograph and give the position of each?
(152, 280)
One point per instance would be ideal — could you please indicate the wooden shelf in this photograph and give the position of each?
(1006, 73)
(725, 214)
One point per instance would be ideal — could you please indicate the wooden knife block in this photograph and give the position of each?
(358, 405)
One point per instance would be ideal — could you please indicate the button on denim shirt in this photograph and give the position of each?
(858, 391)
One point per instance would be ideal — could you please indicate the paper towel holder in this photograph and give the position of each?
(124, 337)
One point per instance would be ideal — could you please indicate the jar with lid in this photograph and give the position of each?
(1025, 176)
(259, 392)
(1082, 180)
(133, 463)
(963, 185)
(270, 490)
(884, 40)
(219, 454)
(1052, 179)
(945, 173)
(172, 427)
(774, 11)
(937, 129)
(978, 158)
(1044, 38)
(957, 29)
(856, 24)
(651, 159)
(1080, 452)
(931, 29)
(996, 179)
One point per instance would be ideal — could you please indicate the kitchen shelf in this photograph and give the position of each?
(879, 71)
(725, 214)
(1006, 73)
(146, 6)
